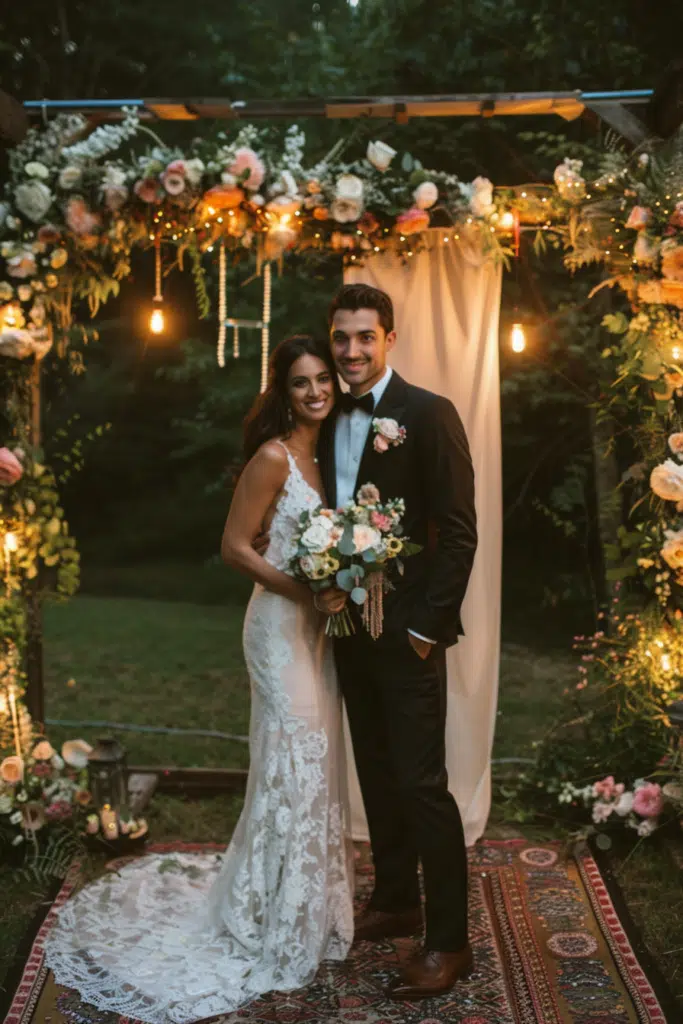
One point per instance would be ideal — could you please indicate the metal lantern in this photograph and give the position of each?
(107, 776)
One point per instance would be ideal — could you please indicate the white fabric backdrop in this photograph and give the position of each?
(447, 301)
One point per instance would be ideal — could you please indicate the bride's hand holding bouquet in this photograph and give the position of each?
(352, 549)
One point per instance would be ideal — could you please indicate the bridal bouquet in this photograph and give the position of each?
(353, 548)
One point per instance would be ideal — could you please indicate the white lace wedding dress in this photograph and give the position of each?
(183, 936)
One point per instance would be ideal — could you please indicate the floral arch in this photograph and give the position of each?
(74, 208)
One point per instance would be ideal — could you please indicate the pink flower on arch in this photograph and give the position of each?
(148, 189)
(247, 160)
(80, 218)
(648, 800)
(607, 788)
(412, 221)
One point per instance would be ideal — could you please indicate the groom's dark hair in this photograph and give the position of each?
(363, 296)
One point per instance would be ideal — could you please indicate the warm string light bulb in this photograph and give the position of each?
(156, 321)
(507, 220)
(517, 338)
(10, 542)
(676, 352)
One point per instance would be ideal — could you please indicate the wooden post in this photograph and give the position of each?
(35, 691)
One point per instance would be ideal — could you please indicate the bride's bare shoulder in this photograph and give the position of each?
(270, 458)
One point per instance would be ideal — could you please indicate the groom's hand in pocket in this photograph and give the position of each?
(421, 647)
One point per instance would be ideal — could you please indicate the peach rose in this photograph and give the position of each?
(639, 218)
(365, 537)
(676, 218)
(412, 221)
(672, 550)
(380, 443)
(676, 443)
(80, 219)
(12, 770)
(672, 263)
(648, 800)
(666, 481)
(224, 198)
(368, 494)
(43, 751)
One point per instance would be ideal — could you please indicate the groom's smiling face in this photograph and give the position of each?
(359, 347)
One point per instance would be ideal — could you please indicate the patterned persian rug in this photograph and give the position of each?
(549, 947)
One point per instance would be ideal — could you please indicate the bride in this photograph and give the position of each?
(177, 938)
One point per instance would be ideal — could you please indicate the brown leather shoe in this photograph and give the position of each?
(429, 973)
(372, 925)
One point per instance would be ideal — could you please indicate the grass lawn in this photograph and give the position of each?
(178, 663)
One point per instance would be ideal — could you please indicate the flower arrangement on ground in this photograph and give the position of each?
(353, 547)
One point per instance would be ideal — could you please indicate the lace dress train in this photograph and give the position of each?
(175, 938)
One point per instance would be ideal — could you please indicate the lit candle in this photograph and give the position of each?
(110, 828)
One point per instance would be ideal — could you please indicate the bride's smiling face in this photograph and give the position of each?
(311, 389)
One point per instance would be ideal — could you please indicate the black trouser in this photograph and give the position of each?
(396, 704)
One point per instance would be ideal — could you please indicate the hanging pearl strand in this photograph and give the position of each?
(221, 305)
(235, 342)
(157, 268)
(265, 329)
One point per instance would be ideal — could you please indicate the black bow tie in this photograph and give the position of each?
(366, 402)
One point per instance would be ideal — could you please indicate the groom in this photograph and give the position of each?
(395, 687)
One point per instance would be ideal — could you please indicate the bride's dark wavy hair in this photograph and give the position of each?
(269, 416)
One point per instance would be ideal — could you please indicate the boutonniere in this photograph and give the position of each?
(388, 434)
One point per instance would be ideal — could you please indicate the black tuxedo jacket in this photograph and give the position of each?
(432, 471)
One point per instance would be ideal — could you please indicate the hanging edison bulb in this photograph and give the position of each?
(156, 320)
(517, 338)
(676, 352)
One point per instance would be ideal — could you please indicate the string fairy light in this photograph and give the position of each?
(265, 327)
(517, 338)
(222, 311)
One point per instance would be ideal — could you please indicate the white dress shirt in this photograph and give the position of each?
(350, 435)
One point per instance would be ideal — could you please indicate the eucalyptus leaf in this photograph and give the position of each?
(346, 545)
(359, 595)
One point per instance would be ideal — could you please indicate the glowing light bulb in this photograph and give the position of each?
(285, 218)
(517, 338)
(676, 352)
(666, 663)
(11, 543)
(156, 321)
(508, 219)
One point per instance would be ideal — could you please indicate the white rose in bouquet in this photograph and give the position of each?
(666, 480)
(380, 155)
(317, 536)
(34, 199)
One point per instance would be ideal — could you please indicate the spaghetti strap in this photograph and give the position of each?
(290, 458)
